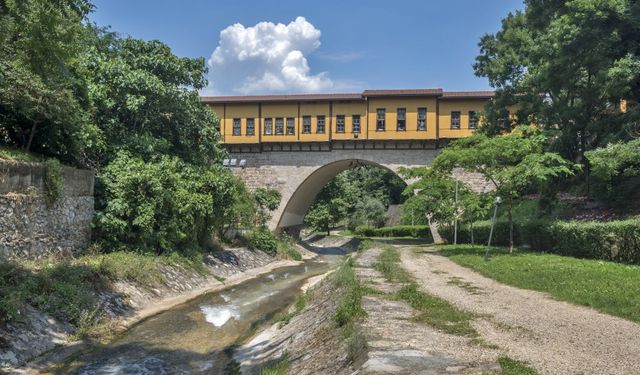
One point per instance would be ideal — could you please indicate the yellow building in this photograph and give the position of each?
(421, 115)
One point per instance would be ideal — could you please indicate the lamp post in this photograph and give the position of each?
(493, 223)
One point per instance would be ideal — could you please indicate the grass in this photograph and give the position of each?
(512, 367)
(280, 367)
(349, 308)
(298, 306)
(388, 264)
(287, 248)
(66, 289)
(17, 154)
(434, 311)
(609, 287)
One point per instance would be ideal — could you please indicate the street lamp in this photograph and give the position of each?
(493, 223)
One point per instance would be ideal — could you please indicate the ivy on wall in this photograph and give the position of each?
(53, 182)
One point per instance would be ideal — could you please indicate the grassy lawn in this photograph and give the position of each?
(612, 288)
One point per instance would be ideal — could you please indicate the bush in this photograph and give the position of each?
(481, 231)
(416, 231)
(262, 239)
(162, 206)
(615, 240)
(53, 183)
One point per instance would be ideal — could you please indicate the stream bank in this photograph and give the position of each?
(38, 340)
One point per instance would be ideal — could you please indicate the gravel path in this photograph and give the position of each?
(397, 344)
(555, 337)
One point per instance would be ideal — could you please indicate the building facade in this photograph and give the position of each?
(417, 118)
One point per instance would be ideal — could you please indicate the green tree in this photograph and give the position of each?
(432, 195)
(266, 201)
(370, 211)
(146, 101)
(319, 218)
(513, 163)
(616, 170)
(566, 65)
(43, 98)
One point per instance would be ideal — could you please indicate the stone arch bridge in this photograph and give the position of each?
(300, 172)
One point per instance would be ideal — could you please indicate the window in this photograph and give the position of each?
(279, 126)
(355, 123)
(268, 126)
(251, 126)
(291, 126)
(340, 124)
(380, 115)
(422, 119)
(455, 120)
(320, 128)
(236, 126)
(473, 120)
(306, 124)
(402, 119)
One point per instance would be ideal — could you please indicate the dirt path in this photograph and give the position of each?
(399, 345)
(554, 337)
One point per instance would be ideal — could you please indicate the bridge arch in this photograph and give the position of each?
(300, 201)
(300, 175)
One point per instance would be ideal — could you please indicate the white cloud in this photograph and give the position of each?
(266, 58)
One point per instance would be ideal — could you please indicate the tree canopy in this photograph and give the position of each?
(567, 65)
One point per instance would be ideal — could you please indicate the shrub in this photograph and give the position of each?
(614, 240)
(162, 206)
(481, 231)
(417, 231)
(53, 183)
(262, 239)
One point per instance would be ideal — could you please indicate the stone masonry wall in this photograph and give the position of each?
(299, 175)
(29, 229)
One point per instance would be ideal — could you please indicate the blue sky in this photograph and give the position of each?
(320, 46)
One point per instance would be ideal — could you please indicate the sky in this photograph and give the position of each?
(302, 46)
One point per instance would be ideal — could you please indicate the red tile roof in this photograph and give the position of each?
(406, 92)
(347, 96)
(468, 94)
(279, 98)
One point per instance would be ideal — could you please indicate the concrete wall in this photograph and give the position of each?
(29, 229)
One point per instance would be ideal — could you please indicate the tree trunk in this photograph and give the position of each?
(472, 241)
(31, 134)
(510, 227)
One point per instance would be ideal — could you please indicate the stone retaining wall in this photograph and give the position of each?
(29, 229)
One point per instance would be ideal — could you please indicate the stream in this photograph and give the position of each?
(198, 337)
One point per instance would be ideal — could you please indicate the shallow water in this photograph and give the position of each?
(198, 337)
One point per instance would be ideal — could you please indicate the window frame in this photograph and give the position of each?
(459, 120)
(236, 127)
(252, 121)
(279, 126)
(402, 122)
(474, 119)
(268, 126)
(290, 130)
(321, 129)
(418, 128)
(353, 124)
(338, 125)
(381, 123)
(306, 125)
